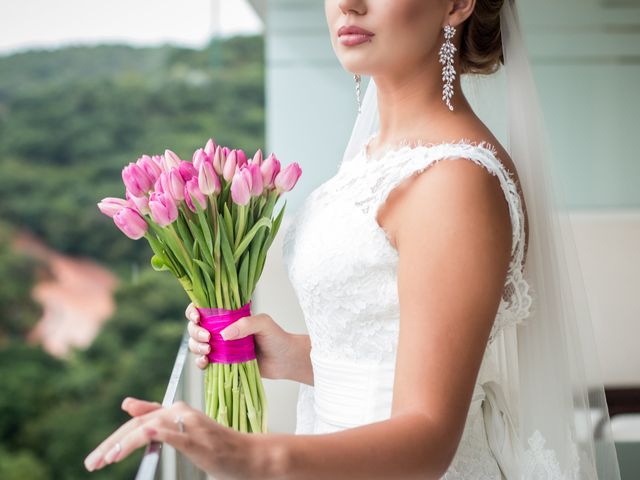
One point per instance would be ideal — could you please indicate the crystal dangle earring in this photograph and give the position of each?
(357, 79)
(447, 52)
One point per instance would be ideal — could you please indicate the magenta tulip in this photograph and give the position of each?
(287, 178)
(136, 180)
(241, 157)
(164, 210)
(208, 181)
(112, 205)
(256, 179)
(131, 223)
(270, 168)
(229, 167)
(192, 193)
(241, 186)
(187, 170)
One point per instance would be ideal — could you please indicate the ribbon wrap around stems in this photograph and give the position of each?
(227, 351)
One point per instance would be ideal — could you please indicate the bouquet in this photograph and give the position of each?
(209, 222)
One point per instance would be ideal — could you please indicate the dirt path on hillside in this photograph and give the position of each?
(76, 300)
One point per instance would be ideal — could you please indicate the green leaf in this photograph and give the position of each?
(207, 253)
(158, 264)
(227, 258)
(263, 222)
(243, 277)
(228, 221)
(206, 229)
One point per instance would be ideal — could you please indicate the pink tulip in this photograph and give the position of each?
(241, 157)
(157, 159)
(208, 181)
(162, 183)
(141, 204)
(187, 170)
(256, 179)
(270, 168)
(229, 167)
(218, 160)
(170, 160)
(287, 178)
(241, 187)
(210, 148)
(192, 192)
(164, 210)
(131, 223)
(257, 158)
(112, 205)
(226, 151)
(136, 180)
(199, 156)
(150, 167)
(176, 185)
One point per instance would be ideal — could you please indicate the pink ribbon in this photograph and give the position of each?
(227, 351)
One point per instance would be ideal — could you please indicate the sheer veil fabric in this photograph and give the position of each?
(549, 362)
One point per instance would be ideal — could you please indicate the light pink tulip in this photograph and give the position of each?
(270, 168)
(257, 158)
(141, 204)
(176, 185)
(131, 223)
(136, 180)
(170, 160)
(208, 181)
(164, 210)
(218, 160)
(111, 205)
(150, 167)
(210, 148)
(256, 178)
(287, 178)
(199, 156)
(192, 192)
(229, 167)
(157, 160)
(187, 170)
(241, 186)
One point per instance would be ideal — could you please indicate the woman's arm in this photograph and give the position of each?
(300, 365)
(453, 233)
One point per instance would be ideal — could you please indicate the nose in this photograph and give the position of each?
(355, 6)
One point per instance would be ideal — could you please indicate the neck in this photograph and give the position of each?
(411, 105)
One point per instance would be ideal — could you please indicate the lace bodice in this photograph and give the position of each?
(343, 269)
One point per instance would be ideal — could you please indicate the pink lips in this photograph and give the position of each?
(352, 35)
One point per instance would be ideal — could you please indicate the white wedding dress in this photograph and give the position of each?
(343, 270)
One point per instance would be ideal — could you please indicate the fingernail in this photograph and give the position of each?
(205, 349)
(203, 358)
(203, 335)
(91, 460)
(193, 316)
(111, 455)
(229, 332)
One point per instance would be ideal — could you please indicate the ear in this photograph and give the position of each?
(459, 11)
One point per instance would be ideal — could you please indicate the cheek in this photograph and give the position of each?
(411, 24)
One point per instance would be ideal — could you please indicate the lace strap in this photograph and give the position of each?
(409, 161)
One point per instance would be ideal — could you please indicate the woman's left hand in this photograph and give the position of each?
(214, 448)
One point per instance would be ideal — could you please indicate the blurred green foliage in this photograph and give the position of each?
(70, 120)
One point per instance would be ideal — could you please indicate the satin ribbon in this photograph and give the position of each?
(227, 351)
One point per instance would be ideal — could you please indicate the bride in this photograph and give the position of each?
(443, 341)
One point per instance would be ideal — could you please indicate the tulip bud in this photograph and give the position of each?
(218, 160)
(241, 157)
(164, 210)
(170, 160)
(136, 180)
(269, 168)
(208, 181)
(176, 185)
(192, 195)
(257, 158)
(131, 223)
(187, 170)
(287, 178)
(150, 167)
(256, 179)
(229, 167)
(241, 187)
(141, 204)
(210, 148)
(200, 156)
(111, 205)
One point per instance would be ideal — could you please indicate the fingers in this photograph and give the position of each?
(245, 326)
(136, 407)
(199, 334)
(191, 313)
(202, 362)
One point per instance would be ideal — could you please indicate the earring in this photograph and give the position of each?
(447, 52)
(357, 79)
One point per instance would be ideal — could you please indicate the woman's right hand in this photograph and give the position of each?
(276, 349)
